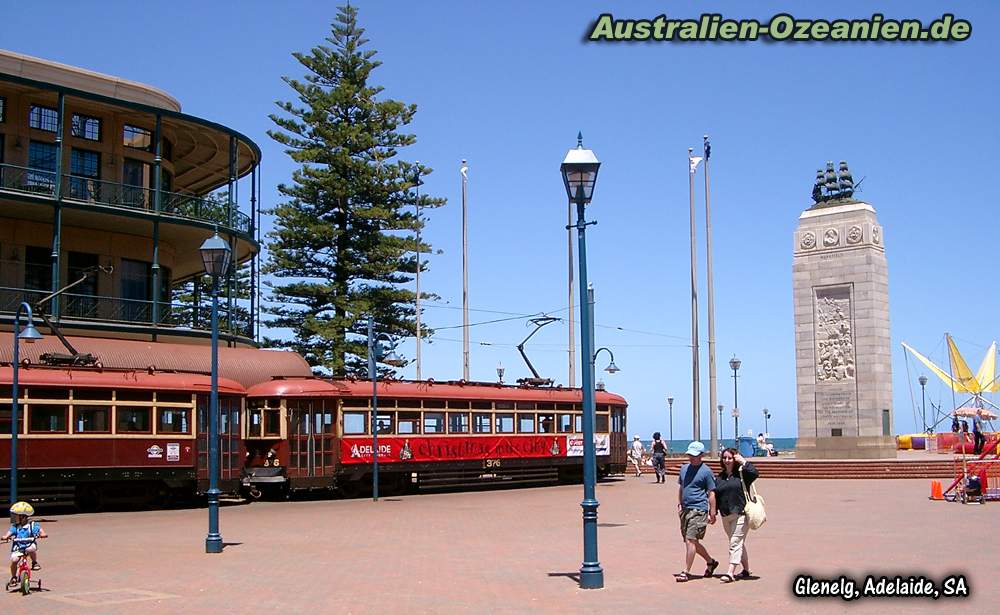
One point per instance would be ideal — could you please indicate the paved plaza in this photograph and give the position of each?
(508, 551)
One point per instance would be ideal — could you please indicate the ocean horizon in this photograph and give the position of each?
(676, 446)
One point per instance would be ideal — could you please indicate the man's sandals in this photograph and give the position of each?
(685, 576)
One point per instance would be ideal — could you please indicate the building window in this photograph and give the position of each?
(85, 170)
(37, 268)
(86, 127)
(135, 291)
(43, 118)
(42, 159)
(137, 138)
(136, 177)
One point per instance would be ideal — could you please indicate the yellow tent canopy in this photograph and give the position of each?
(961, 379)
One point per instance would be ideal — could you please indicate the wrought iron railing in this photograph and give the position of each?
(42, 183)
(133, 311)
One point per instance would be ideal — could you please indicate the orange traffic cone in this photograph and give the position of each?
(933, 489)
(937, 490)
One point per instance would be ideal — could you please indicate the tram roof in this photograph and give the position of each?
(426, 389)
(91, 377)
(246, 366)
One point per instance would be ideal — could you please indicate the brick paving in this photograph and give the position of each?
(507, 551)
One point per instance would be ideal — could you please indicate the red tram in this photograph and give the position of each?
(310, 433)
(89, 435)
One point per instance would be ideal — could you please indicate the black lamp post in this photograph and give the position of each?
(767, 415)
(670, 406)
(579, 172)
(923, 401)
(721, 439)
(375, 354)
(215, 254)
(29, 334)
(735, 363)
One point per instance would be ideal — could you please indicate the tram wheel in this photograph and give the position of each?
(88, 498)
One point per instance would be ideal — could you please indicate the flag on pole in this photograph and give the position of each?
(694, 161)
(708, 148)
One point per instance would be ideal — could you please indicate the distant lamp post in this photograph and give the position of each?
(923, 400)
(611, 368)
(767, 415)
(500, 371)
(377, 354)
(215, 255)
(670, 406)
(734, 364)
(721, 439)
(29, 334)
(579, 172)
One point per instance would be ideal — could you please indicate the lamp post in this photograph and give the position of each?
(29, 335)
(734, 364)
(375, 353)
(767, 415)
(500, 371)
(722, 442)
(923, 401)
(215, 255)
(579, 171)
(670, 406)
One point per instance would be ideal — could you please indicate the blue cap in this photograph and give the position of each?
(696, 448)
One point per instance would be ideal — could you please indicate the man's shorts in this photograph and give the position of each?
(694, 522)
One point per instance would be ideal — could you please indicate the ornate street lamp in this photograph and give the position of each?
(215, 255)
(29, 334)
(377, 354)
(721, 440)
(579, 171)
(611, 368)
(767, 415)
(734, 364)
(500, 371)
(923, 400)
(670, 405)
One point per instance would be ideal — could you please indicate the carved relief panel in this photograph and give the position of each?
(833, 327)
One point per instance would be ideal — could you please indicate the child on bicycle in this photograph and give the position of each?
(22, 534)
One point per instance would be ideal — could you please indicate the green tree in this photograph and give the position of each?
(342, 245)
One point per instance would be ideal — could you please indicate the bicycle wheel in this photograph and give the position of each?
(25, 583)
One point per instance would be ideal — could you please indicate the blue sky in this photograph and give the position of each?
(508, 85)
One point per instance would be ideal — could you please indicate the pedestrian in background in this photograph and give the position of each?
(636, 454)
(659, 458)
(977, 431)
(696, 507)
(735, 471)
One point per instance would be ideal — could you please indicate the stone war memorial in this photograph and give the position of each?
(840, 284)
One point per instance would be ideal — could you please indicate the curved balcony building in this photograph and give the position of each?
(106, 181)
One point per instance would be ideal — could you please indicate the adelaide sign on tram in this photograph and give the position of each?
(396, 449)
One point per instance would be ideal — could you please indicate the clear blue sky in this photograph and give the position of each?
(508, 85)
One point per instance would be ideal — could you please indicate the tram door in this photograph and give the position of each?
(310, 437)
(230, 439)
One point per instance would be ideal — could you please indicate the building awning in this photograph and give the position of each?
(247, 366)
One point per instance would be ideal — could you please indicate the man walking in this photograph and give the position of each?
(977, 431)
(696, 506)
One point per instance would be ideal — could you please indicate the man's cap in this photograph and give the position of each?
(695, 449)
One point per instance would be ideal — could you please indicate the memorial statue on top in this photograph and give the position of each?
(833, 187)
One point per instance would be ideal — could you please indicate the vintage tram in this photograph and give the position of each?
(314, 433)
(92, 436)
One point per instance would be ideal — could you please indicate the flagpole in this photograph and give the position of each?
(712, 395)
(465, 271)
(569, 251)
(417, 203)
(695, 378)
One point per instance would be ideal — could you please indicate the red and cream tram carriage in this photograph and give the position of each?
(304, 433)
(93, 435)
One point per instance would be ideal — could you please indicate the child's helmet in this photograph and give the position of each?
(22, 508)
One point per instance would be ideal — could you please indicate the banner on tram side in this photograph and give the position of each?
(574, 447)
(421, 448)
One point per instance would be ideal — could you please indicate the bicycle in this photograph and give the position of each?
(23, 576)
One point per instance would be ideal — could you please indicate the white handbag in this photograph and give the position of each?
(754, 509)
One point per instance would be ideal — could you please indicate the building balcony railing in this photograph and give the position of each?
(84, 189)
(133, 311)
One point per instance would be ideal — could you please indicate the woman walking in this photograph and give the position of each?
(659, 458)
(730, 500)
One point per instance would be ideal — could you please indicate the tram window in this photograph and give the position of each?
(47, 419)
(459, 405)
(93, 394)
(408, 422)
(406, 404)
(602, 423)
(37, 393)
(505, 405)
(173, 398)
(504, 423)
(546, 406)
(525, 405)
(255, 403)
(546, 423)
(356, 402)
(92, 419)
(384, 422)
(355, 423)
(175, 420)
(481, 422)
(565, 423)
(324, 422)
(133, 420)
(482, 405)
(7, 392)
(570, 407)
(434, 403)
(134, 395)
(578, 423)
(5, 420)
(526, 423)
(272, 423)
(458, 422)
(434, 422)
(253, 429)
